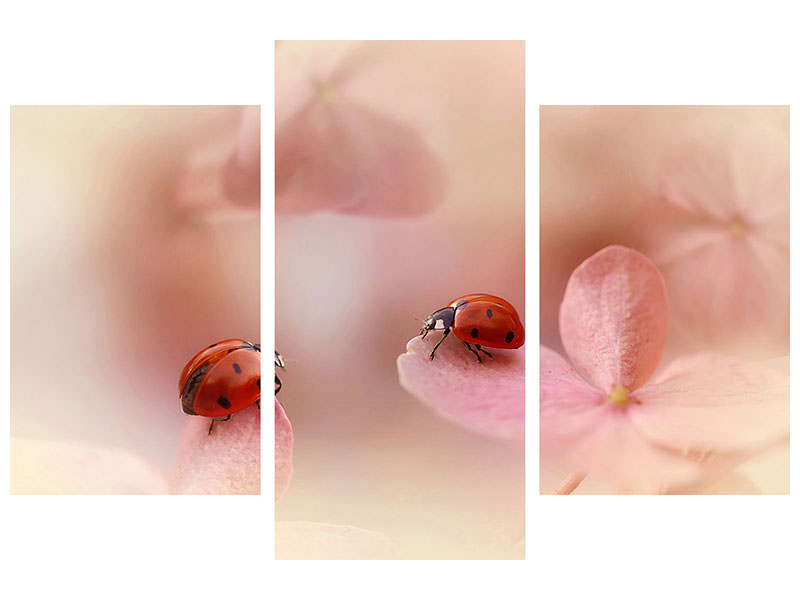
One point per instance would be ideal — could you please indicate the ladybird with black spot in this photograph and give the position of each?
(221, 379)
(479, 320)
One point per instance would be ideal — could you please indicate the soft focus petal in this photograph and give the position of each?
(221, 176)
(226, 462)
(304, 540)
(699, 182)
(284, 448)
(487, 397)
(703, 403)
(338, 156)
(241, 176)
(614, 319)
(759, 161)
(733, 291)
(49, 467)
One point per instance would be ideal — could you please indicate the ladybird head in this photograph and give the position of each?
(441, 319)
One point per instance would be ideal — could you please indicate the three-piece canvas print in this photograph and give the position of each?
(400, 320)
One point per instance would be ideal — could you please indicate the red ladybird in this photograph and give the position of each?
(479, 319)
(221, 380)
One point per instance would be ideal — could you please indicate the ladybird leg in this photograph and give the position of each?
(478, 346)
(446, 332)
(279, 384)
(471, 349)
(211, 427)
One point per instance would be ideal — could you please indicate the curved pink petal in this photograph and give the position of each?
(241, 175)
(614, 319)
(760, 173)
(221, 177)
(226, 462)
(726, 170)
(284, 448)
(744, 304)
(698, 181)
(487, 397)
(305, 540)
(580, 431)
(560, 385)
(50, 467)
(703, 404)
(338, 156)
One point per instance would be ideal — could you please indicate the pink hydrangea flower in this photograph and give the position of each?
(333, 153)
(722, 238)
(609, 417)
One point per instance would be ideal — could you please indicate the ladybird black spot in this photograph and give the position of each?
(212, 345)
(509, 337)
(231, 350)
(224, 402)
(489, 313)
(258, 382)
(237, 368)
(474, 333)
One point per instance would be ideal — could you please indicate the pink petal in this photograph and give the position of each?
(284, 448)
(50, 467)
(487, 398)
(760, 173)
(614, 319)
(705, 404)
(699, 182)
(583, 433)
(304, 540)
(221, 177)
(336, 155)
(241, 176)
(744, 305)
(226, 462)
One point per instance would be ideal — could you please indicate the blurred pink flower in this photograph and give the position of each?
(700, 413)
(487, 398)
(335, 154)
(721, 238)
(284, 448)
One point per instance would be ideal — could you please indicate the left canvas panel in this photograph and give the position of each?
(135, 351)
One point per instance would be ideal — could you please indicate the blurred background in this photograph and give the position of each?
(128, 255)
(351, 290)
(601, 182)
